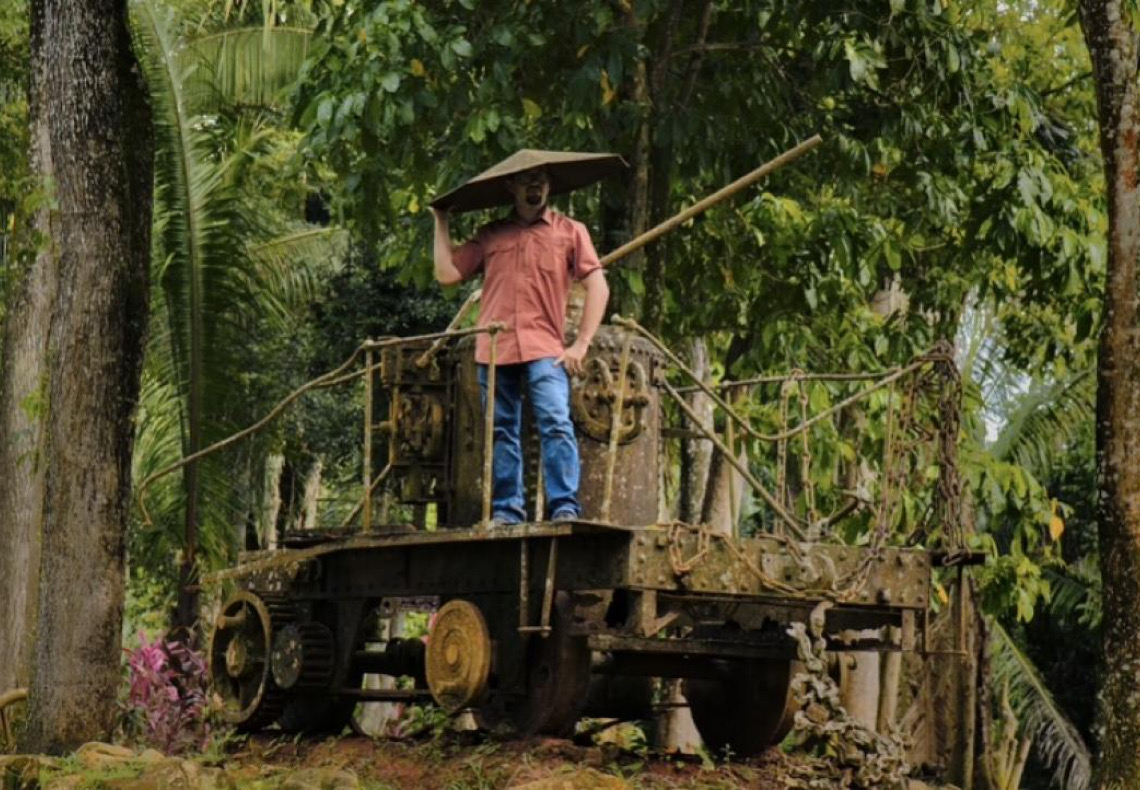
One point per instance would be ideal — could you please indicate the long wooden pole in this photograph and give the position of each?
(705, 204)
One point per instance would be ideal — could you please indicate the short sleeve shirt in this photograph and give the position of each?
(527, 269)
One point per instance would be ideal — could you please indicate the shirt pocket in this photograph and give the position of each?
(553, 255)
(501, 253)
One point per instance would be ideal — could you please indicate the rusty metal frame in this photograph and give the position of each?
(615, 427)
(489, 434)
(366, 503)
(757, 486)
(543, 627)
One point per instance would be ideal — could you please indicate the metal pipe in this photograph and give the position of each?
(524, 582)
(548, 592)
(497, 326)
(380, 478)
(778, 378)
(424, 359)
(321, 381)
(366, 512)
(629, 323)
(489, 436)
(788, 518)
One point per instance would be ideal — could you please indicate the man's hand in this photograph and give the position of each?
(572, 357)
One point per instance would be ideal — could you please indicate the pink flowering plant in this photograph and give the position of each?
(167, 703)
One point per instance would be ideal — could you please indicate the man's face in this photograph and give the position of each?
(530, 187)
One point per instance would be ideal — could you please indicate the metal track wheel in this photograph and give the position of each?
(558, 677)
(458, 656)
(748, 710)
(240, 649)
(303, 657)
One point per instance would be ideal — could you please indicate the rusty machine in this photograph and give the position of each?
(537, 624)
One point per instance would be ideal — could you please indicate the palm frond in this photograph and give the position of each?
(1076, 591)
(209, 292)
(1045, 420)
(249, 66)
(1055, 739)
(294, 267)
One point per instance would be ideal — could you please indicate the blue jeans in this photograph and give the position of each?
(548, 386)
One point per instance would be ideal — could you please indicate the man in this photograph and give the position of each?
(527, 261)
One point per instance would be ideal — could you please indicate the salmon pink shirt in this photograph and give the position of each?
(527, 269)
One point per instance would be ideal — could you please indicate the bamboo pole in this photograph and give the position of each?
(705, 204)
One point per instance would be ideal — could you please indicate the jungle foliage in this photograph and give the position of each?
(298, 144)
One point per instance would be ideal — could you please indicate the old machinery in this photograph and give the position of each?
(537, 624)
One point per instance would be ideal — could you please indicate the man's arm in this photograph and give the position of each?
(446, 272)
(597, 296)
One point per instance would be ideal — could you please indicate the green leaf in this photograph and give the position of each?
(461, 47)
(390, 82)
(636, 282)
(531, 110)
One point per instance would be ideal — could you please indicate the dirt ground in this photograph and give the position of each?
(468, 762)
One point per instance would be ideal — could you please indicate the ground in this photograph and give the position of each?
(451, 762)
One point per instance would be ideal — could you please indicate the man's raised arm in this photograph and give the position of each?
(446, 272)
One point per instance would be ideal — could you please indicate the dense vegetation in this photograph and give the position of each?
(297, 145)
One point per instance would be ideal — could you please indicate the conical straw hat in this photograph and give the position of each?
(568, 170)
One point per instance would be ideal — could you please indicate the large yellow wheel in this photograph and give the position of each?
(458, 656)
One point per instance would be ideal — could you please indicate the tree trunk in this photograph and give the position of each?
(725, 488)
(271, 500)
(696, 454)
(309, 515)
(1114, 46)
(92, 122)
(22, 401)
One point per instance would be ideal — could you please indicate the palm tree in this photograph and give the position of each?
(1031, 422)
(220, 273)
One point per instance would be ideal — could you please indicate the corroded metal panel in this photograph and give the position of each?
(687, 560)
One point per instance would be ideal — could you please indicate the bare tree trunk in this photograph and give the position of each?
(1114, 46)
(271, 499)
(310, 505)
(22, 404)
(696, 454)
(725, 489)
(92, 119)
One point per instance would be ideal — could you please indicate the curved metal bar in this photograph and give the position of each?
(7, 700)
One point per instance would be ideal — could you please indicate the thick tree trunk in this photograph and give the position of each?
(1114, 46)
(22, 402)
(92, 119)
